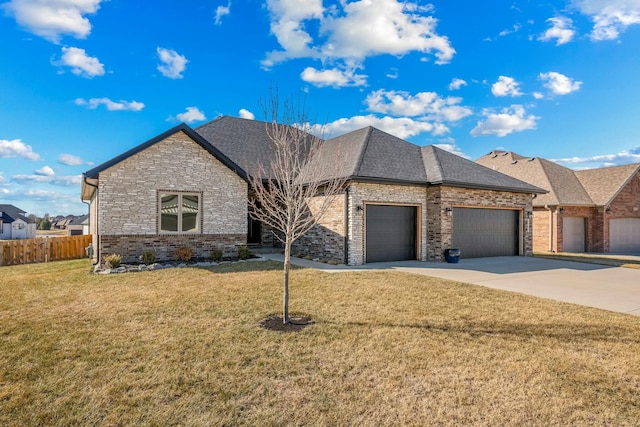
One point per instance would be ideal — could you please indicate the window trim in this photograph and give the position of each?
(180, 194)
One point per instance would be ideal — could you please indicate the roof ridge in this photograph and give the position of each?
(552, 183)
(363, 150)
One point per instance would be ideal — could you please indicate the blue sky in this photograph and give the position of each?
(82, 81)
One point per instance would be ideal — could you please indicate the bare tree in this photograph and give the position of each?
(299, 172)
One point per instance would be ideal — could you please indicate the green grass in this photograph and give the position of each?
(182, 347)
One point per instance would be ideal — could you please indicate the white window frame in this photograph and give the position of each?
(180, 194)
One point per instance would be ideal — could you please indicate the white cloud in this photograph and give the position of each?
(71, 160)
(610, 17)
(561, 30)
(45, 171)
(391, 27)
(514, 29)
(246, 114)
(222, 11)
(94, 103)
(622, 158)
(17, 148)
(402, 127)
(559, 84)
(452, 148)
(538, 95)
(65, 181)
(81, 64)
(427, 105)
(456, 84)
(173, 64)
(51, 19)
(333, 77)
(506, 86)
(192, 114)
(512, 119)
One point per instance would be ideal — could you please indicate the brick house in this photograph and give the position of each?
(189, 187)
(592, 210)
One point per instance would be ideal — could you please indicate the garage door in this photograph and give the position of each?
(485, 232)
(572, 234)
(624, 235)
(390, 233)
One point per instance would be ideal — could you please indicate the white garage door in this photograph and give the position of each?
(624, 235)
(572, 234)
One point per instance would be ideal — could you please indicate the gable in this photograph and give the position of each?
(90, 178)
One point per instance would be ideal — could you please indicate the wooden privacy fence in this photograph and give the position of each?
(43, 249)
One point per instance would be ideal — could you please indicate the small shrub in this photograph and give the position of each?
(216, 255)
(113, 260)
(184, 254)
(148, 257)
(244, 253)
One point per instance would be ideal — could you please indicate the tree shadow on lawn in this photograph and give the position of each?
(248, 266)
(558, 331)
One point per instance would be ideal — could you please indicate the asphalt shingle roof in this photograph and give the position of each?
(566, 187)
(11, 213)
(365, 154)
(603, 184)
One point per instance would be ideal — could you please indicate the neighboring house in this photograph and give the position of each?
(79, 225)
(189, 187)
(592, 210)
(14, 225)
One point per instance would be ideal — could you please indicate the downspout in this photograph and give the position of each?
(550, 228)
(96, 251)
(346, 226)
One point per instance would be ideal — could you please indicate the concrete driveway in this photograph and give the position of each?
(610, 288)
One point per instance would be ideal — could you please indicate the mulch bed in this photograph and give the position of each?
(296, 323)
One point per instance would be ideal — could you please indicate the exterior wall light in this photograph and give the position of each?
(359, 208)
(449, 211)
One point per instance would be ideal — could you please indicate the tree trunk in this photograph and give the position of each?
(285, 294)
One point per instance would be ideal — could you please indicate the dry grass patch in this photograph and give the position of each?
(183, 346)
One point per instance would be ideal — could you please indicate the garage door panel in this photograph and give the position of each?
(485, 232)
(624, 235)
(573, 232)
(390, 233)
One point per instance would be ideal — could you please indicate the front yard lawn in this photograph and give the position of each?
(182, 347)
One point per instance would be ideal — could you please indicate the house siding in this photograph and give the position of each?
(127, 200)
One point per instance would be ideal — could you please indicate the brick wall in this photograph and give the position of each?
(361, 194)
(127, 201)
(625, 205)
(440, 225)
(326, 239)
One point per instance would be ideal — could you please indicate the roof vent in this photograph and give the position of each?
(494, 156)
(514, 162)
(505, 153)
(531, 159)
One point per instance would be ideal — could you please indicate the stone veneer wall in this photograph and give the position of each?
(361, 194)
(127, 200)
(132, 247)
(440, 225)
(326, 239)
(625, 205)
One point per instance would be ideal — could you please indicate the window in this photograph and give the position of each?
(179, 213)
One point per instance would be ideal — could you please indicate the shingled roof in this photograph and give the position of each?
(370, 154)
(604, 184)
(367, 154)
(11, 213)
(592, 187)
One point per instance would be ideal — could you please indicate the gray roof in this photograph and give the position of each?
(565, 186)
(79, 220)
(367, 154)
(371, 154)
(11, 213)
